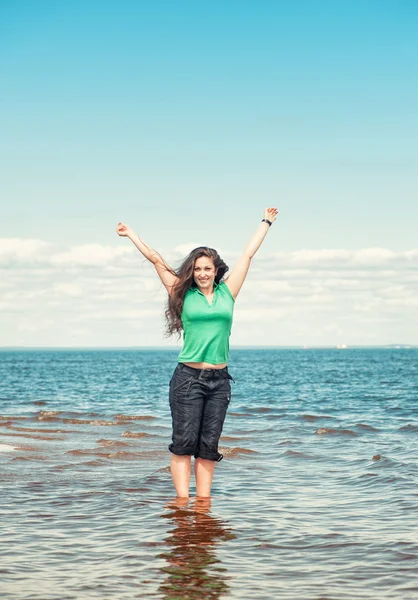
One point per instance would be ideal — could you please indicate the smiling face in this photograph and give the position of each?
(204, 273)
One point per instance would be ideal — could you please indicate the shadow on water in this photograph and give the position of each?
(193, 570)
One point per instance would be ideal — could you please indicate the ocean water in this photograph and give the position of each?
(316, 498)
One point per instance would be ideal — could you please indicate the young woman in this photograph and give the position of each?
(201, 304)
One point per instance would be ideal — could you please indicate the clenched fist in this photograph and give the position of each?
(124, 230)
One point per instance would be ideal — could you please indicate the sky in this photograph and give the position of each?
(184, 120)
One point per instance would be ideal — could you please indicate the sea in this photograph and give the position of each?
(316, 497)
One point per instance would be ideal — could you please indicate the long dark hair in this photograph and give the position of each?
(185, 281)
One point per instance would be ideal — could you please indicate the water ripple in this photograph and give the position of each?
(315, 498)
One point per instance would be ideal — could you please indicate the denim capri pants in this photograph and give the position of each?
(199, 399)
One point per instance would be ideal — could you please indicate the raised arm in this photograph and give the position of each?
(165, 273)
(238, 274)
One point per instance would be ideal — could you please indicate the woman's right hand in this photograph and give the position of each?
(124, 230)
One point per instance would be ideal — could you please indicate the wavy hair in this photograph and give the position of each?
(185, 281)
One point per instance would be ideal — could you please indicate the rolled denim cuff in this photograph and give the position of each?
(182, 451)
(216, 456)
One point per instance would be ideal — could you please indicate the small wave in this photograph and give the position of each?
(39, 402)
(33, 430)
(135, 434)
(56, 415)
(314, 417)
(166, 469)
(133, 490)
(30, 457)
(235, 414)
(90, 422)
(7, 448)
(134, 417)
(27, 448)
(245, 432)
(231, 452)
(77, 452)
(49, 413)
(325, 430)
(119, 454)
(94, 463)
(366, 427)
(63, 467)
(68, 413)
(230, 438)
(125, 455)
(409, 427)
(107, 443)
(406, 556)
(33, 437)
(296, 454)
(78, 421)
(381, 461)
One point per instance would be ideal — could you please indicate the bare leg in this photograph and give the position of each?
(203, 470)
(181, 469)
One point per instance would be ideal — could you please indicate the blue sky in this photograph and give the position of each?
(185, 119)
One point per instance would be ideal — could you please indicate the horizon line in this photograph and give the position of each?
(246, 347)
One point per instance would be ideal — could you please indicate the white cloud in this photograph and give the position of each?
(69, 289)
(251, 315)
(110, 295)
(334, 328)
(31, 326)
(115, 314)
(366, 306)
(89, 255)
(183, 249)
(16, 252)
(305, 257)
(370, 256)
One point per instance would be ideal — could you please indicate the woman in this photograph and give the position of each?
(201, 304)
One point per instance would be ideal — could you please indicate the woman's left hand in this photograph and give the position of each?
(270, 214)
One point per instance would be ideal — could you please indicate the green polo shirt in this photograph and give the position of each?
(207, 327)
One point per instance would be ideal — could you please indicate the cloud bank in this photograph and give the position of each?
(102, 295)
